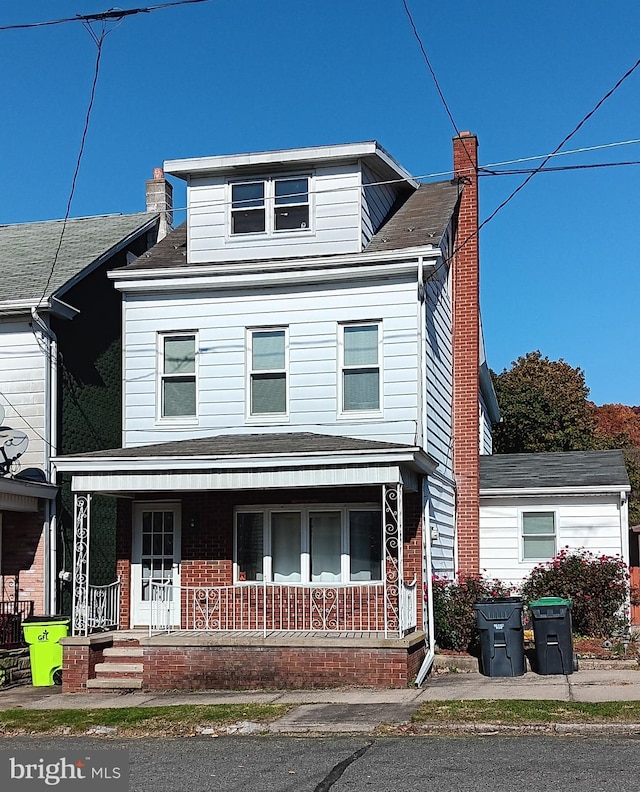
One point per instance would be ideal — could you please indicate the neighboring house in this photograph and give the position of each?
(534, 505)
(60, 386)
(302, 424)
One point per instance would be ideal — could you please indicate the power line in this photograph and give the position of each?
(103, 16)
(436, 83)
(99, 41)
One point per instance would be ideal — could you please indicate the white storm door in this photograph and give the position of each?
(155, 558)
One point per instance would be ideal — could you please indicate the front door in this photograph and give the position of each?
(155, 558)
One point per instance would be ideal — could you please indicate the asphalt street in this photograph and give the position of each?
(489, 763)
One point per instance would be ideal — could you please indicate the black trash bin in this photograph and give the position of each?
(499, 620)
(551, 617)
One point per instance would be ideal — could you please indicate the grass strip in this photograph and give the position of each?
(519, 712)
(179, 719)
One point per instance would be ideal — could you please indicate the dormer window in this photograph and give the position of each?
(270, 206)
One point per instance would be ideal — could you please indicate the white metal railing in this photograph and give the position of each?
(265, 607)
(103, 607)
(408, 607)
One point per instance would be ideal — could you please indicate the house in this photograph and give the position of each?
(533, 505)
(60, 381)
(302, 410)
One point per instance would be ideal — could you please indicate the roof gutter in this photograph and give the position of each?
(519, 492)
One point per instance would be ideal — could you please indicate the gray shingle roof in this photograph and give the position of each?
(421, 220)
(604, 469)
(252, 444)
(27, 251)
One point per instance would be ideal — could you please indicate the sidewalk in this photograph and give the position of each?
(355, 710)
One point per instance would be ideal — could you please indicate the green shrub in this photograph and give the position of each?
(454, 617)
(598, 587)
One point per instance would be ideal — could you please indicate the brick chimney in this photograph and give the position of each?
(466, 355)
(160, 199)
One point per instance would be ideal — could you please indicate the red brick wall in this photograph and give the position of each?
(79, 662)
(207, 532)
(250, 667)
(23, 555)
(466, 355)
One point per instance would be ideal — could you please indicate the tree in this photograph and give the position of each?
(544, 407)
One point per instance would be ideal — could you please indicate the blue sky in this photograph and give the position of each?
(560, 264)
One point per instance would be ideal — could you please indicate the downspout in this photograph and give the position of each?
(50, 449)
(422, 386)
(426, 540)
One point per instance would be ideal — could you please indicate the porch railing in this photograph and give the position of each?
(265, 607)
(103, 607)
(12, 614)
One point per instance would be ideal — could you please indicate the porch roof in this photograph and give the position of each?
(24, 496)
(248, 461)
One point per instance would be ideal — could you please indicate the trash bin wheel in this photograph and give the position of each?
(57, 676)
(576, 664)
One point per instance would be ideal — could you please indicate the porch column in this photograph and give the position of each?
(393, 555)
(81, 536)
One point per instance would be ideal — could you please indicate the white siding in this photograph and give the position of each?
(593, 523)
(313, 317)
(334, 218)
(442, 524)
(439, 371)
(376, 203)
(486, 438)
(22, 386)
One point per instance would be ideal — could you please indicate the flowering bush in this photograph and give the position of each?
(454, 617)
(598, 587)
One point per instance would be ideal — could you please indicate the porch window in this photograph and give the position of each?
(538, 536)
(360, 363)
(268, 372)
(309, 545)
(177, 366)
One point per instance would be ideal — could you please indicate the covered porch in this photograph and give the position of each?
(314, 555)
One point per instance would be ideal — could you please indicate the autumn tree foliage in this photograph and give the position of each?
(544, 405)
(617, 425)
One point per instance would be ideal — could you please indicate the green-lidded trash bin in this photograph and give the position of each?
(552, 632)
(499, 620)
(43, 634)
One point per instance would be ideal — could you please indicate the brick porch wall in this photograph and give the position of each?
(207, 533)
(79, 659)
(252, 667)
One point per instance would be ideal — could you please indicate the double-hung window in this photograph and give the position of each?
(308, 544)
(267, 355)
(538, 536)
(177, 369)
(360, 367)
(271, 205)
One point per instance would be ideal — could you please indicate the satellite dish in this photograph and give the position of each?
(13, 444)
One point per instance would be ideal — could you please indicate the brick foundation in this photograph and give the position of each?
(325, 664)
(79, 660)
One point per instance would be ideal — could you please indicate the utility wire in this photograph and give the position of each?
(103, 16)
(99, 41)
(540, 167)
(436, 83)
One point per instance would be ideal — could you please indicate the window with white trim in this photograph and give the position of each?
(308, 544)
(360, 378)
(177, 370)
(267, 365)
(270, 206)
(538, 535)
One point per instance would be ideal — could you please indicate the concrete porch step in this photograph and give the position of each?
(119, 668)
(124, 651)
(114, 683)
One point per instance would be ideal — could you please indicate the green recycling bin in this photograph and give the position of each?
(552, 631)
(43, 634)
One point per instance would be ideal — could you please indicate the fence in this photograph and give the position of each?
(264, 607)
(12, 614)
(103, 607)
